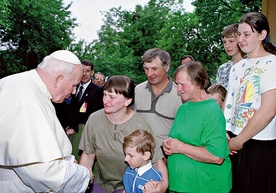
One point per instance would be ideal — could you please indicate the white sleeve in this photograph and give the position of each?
(55, 176)
(76, 178)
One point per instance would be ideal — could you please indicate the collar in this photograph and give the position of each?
(144, 168)
(35, 76)
(167, 89)
(85, 85)
(230, 62)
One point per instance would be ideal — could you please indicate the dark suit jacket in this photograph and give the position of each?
(92, 99)
(69, 113)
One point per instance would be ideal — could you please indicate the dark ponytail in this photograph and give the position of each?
(269, 47)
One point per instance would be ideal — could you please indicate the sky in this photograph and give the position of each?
(89, 18)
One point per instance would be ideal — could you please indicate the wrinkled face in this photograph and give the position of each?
(231, 46)
(249, 41)
(87, 74)
(155, 72)
(187, 90)
(64, 87)
(133, 158)
(99, 79)
(114, 103)
(217, 99)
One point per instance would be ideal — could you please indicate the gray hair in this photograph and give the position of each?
(53, 66)
(153, 53)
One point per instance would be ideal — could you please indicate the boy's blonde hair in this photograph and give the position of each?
(218, 89)
(142, 139)
(230, 31)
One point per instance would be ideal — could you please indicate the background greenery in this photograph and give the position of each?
(31, 29)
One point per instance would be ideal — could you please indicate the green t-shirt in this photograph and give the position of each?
(200, 124)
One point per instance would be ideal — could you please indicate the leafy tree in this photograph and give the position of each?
(36, 29)
(213, 17)
(126, 35)
(110, 54)
(199, 33)
(181, 28)
(4, 13)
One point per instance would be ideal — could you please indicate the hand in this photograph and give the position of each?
(234, 145)
(91, 179)
(227, 137)
(166, 146)
(171, 146)
(150, 185)
(91, 175)
(69, 130)
(158, 188)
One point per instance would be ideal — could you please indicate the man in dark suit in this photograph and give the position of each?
(89, 96)
(88, 99)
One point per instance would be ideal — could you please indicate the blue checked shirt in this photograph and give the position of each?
(223, 72)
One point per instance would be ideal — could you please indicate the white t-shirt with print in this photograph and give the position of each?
(248, 79)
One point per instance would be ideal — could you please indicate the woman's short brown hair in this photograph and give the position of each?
(197, 73)
(121, 85)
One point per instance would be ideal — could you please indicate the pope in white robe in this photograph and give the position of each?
(35, 153)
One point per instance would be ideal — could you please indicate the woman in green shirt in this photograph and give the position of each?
(197, 146)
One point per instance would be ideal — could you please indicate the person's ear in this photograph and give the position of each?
(58, 79)
(167, 68)
(146, 155)
(263, 34)
(127, 102)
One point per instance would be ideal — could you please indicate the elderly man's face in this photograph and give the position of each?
(155, 72)
(99, 79)
(65, 86)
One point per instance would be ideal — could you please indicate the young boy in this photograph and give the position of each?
(139, 149)
(217, 92)
(231, 47)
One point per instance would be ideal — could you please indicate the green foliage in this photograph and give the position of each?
(36, 28)
(180, 31)
(4, 14)
(126, 35)
(213, 17)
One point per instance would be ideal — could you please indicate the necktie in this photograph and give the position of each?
(79, 93)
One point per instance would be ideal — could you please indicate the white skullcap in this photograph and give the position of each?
(65, 56)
